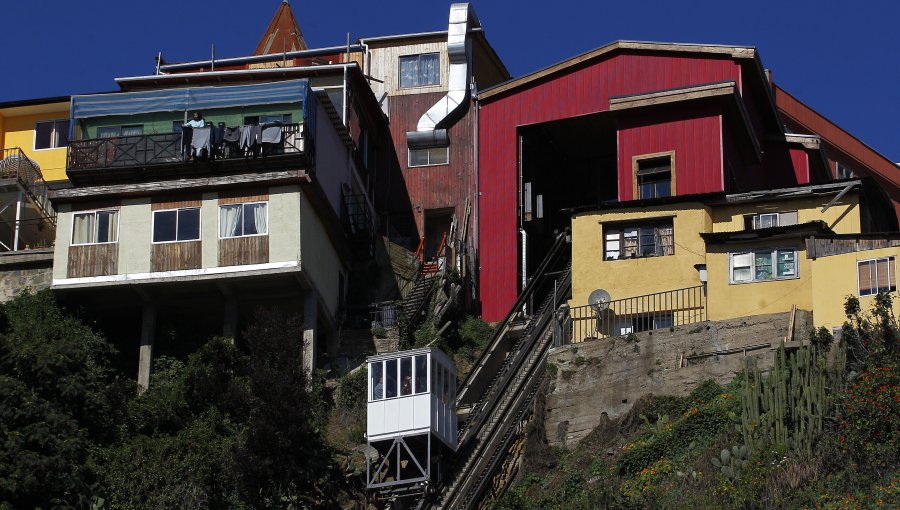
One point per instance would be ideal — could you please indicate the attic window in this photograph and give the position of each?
(653, 176)
(769, 220)
(420, 70)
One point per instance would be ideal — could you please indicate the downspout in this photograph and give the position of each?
(431, 130)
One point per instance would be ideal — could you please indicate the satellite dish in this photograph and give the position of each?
(599, 300)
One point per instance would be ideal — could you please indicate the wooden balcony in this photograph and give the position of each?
(158, 156)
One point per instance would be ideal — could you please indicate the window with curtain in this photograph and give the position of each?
(237, 220)
(876, 275)
(429, 157)
(95, 227)
(176, 225)
(420, 70)
(763, 265)
(646, 239)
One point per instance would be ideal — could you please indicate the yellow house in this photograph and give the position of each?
(33, 146)
(40, 128)
(678, 260)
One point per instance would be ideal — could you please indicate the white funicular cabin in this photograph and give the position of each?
(411, 399)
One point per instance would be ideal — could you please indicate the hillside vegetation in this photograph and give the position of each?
(820, 430)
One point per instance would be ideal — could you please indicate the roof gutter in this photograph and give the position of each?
(333, 50)
(431, 130)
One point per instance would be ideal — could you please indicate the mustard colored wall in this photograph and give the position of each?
(18, 131)
(843, 216)
(729, 300)
(635, 277)
(835, 278)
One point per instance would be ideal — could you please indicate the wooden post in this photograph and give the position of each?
(145, 359)
(310, 316)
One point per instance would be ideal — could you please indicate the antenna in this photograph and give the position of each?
(599, 300)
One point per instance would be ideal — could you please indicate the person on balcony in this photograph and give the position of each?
(196, 122)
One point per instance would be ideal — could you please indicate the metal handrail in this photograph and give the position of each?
(659, 310)
(160, 149)
(14, 164)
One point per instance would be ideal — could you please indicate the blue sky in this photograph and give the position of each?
(841, 58)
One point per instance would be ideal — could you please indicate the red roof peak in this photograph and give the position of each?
(283, 33)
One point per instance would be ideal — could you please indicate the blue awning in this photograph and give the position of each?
(188, 98)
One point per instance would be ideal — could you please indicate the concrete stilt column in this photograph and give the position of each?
(310, 320)
(145, 360)
(229, 328)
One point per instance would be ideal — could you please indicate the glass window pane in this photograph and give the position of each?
(429, 71)
(107, 226)
(418, 157)
(787, 265)
(188, 224)
(787, 218)
(648, 241)
(866, 277)
(62, 133)
(132, 130)
(406, 376)
(254, 219)
(763, 265)
(409, 71)
(421, 375)
(438, 156)
(164, 226)
(43, 135)
(83, 228)
(390, 378)
(108, 132)
(377, 380)
(230, 220)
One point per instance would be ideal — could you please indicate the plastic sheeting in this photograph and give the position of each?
(189, 98)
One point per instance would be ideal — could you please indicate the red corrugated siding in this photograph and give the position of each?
(583, 90)
(695, 139)
(800, 162)
(434, 187)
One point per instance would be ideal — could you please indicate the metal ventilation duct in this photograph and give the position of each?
(432, 128)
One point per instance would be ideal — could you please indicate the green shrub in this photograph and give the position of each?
(352, 390)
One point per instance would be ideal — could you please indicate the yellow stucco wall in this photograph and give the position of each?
(729, 300)
(843, 216)
(634, 277)
(835, 278)
(18, 131)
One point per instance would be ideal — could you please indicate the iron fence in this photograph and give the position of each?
(661, 310)
(14, 164)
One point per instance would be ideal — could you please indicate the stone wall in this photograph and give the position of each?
(21, 270)
(607, 376)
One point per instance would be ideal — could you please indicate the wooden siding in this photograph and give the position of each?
(93, 260)
(384, 63)
(585, 88)
(176, 256)
(439, 186)
(175, 202)
(243, 195)
(826, 247)
(694, 137)
(236, 251)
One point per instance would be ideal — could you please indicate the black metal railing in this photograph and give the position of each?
(14, 164)
(166, 148)
(631, 315)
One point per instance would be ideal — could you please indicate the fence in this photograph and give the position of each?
(631, 315)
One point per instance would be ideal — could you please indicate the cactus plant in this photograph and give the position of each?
(729, 463)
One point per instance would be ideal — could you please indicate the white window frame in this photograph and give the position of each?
(756, 219)
(774, 252)
(875, 260)
(242, 204)
(54, 137)
(621, 227)
(199, 228)
(409, 157)
(94, 212)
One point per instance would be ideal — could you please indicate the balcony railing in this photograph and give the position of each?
(166, 148)
(14, 164)
(30, 234)
(662, 310)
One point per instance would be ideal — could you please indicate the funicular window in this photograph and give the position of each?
(390, 378)
(406, 376)
(421, 374)
(445, 396)
(377, 375)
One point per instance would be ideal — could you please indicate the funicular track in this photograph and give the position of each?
(505, 380)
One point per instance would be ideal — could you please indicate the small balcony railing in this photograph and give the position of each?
(14, 164)
(662, 310)
(28, 234)
(167, 148)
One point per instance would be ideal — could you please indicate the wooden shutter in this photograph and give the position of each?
(865, 277)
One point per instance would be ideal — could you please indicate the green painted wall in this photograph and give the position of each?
(161, 122)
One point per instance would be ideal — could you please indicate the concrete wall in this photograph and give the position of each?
(319, 259)
(332, 159)
(63, 239)
(607, 376)
(284, 223)
(135, 233)
(25, 270)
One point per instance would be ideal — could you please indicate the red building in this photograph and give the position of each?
(637, 120)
